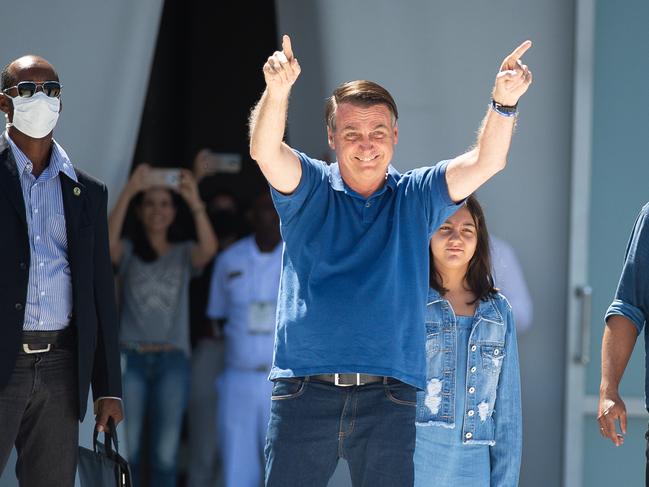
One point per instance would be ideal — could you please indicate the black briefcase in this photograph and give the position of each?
(103, 466)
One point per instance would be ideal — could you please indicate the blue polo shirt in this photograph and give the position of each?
(354, 277)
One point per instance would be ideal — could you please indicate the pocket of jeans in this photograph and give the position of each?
(284, 389)
(400, 393)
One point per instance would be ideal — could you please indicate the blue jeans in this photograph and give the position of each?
(156, 389)
(313, 424)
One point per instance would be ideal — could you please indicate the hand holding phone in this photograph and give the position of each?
(208, 162)
(168, 178)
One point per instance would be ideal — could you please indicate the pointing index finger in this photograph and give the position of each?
(520, 50)
(287, 49)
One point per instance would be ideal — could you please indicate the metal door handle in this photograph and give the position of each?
(584, 293)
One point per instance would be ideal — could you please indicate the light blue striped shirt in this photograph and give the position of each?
(49, 293)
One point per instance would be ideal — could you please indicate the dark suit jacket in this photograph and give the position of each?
(93, 291)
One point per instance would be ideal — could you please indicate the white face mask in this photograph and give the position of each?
(37, 115)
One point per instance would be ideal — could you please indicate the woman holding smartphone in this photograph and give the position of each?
(469, 417)
(154, 274)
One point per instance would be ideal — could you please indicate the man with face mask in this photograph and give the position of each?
(59, 319)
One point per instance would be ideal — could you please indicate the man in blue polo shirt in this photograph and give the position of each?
(349, 343)
(626, 318)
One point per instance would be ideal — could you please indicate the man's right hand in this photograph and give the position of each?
(277, 161)
(611, 409)
(282, 69)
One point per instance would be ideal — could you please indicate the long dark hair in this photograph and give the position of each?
(141, 245)
(479, 277)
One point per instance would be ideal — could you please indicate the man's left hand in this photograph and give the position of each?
(107, 408)
(514, 77)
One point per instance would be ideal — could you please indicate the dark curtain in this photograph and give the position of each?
(206, 76)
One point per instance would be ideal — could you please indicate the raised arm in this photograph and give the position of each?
(469, 171)
(207, 245)
(135, 184)
(279, 164)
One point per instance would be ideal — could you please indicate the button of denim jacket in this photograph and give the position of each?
(470, 413)
(473, 348)
(473, 369)
(469, 435)
(471, 390)
(496, 351)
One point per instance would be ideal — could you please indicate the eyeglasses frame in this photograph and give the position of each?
(36, 89)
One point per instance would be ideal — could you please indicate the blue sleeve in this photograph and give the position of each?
(632, 295)
(433, 190)
(506, 453)
(314, 172)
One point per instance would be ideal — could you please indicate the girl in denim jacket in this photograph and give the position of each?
(469, 417)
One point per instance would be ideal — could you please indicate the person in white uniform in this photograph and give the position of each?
(204, 452)
(243, 295)
(509, 279)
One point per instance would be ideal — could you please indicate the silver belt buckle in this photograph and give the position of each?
(337, 381)
(26, 349)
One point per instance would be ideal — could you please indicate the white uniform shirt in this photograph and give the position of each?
(244, 288)
(509, 278)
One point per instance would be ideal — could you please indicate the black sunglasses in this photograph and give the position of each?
(26, 89)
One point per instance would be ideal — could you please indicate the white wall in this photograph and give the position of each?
(438, 59)
(102, 52)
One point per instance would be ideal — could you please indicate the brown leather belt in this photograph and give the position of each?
(44, 341)
(349, 380)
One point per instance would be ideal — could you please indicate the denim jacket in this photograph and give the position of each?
(492, 395)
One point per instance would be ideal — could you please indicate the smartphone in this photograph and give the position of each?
(169, 178)
(211, 162)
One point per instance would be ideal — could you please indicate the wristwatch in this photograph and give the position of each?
(504, 110)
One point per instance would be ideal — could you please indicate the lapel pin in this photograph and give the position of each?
(76, 190)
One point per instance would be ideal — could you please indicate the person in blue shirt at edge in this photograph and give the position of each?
(469, 417)
(625, 319)
(350, 345)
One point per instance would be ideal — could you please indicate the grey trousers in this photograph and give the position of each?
(38, 414)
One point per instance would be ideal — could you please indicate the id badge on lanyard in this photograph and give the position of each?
(261, 317)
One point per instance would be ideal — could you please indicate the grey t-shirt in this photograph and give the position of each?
(155, 297)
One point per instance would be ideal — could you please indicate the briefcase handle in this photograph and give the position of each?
(109, 436)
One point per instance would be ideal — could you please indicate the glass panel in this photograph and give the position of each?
(619, 163)
(606, 465)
